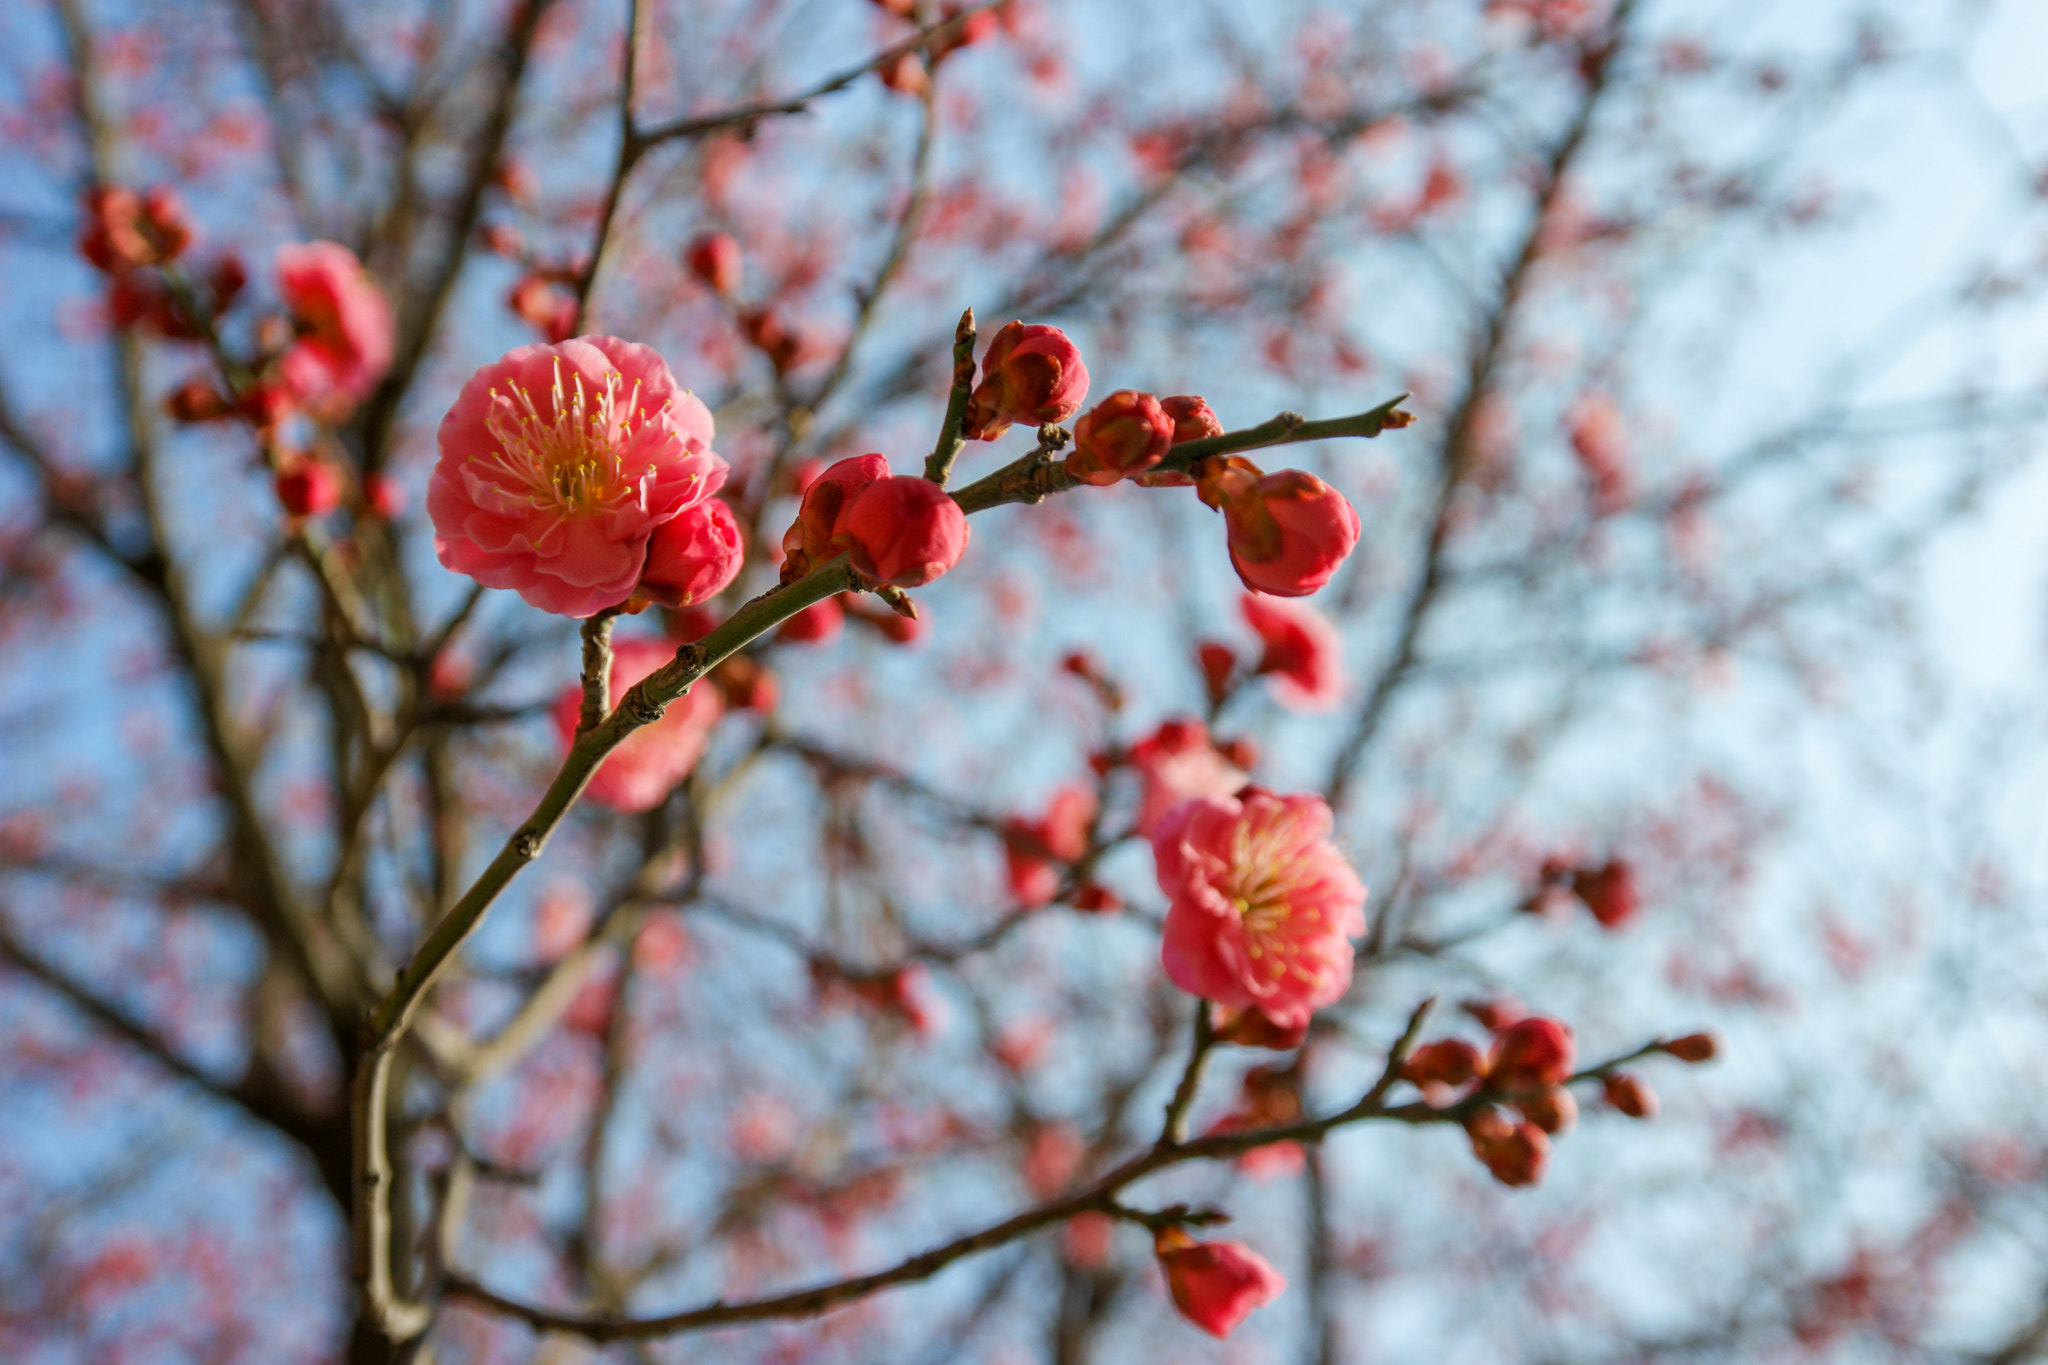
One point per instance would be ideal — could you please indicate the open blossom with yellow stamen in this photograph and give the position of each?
(1262, 905)
(559, 462)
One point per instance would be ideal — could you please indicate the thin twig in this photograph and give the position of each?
(939, 467)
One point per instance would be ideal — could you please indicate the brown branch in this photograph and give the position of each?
(1456, 450)
(416, 327)
(1174, 1130)
(1100, 1197)
(263, 1102)
(939, 467)
(745, 115)
(1025, 481)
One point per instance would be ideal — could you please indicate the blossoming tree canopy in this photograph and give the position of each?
(558, 464)
(855, 880)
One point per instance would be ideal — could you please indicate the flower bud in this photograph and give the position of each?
(1446, 1062)
(1097, 899)
(384, 495)
(502, 239)
(1554, 1111)
(906, 74)
(1192, 420)
(715, 259)
(229, 277)
(1215, 1285)
(548, 307)
(1531, 1054)
(1609, 892)
(1123, 435)
(1029, 374)
(774, 338)
(1516, 1153)
(308, 487)
(114, 240)
(748, 684)
(904, 530)
(693, 555)
(1303, 653)
(1694, 1048)
(1217, 662)
(197, 400)
(1627, 1093)
(817, 534)
(164, 212)
(1250, 1028)
(816, 624)
(143, 301)
(1288, 530)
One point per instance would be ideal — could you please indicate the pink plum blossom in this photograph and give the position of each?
(557, 465)
(1262, 906)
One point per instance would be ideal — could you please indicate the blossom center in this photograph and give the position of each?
(573, 460)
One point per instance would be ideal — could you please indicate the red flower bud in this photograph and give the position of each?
(1694, 1048)
(550, 308)
(1097, 899)
(1447, 1063)
(1516, 1153)
(814, 625)
(1554, 1111)
(748, 684)
(1250, 1028)
(1215, 1285)
(1628, 1094)
(265, 404)
(1217, 662)
(1029, 374)
(229, 278)
(817, 534)
(774, 338)
(1609, 892)
(308, 487)
(715, 259)
(692, 556)
(143, 301)
(1288, 530)
(384, 494)
(164, 212)
(1192, 419)
(906, 74)
(689, 624)
(1531, 1054)
(197, 400)
(1125, 434)
(502, 239)
(904, 530)
(114, 239)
